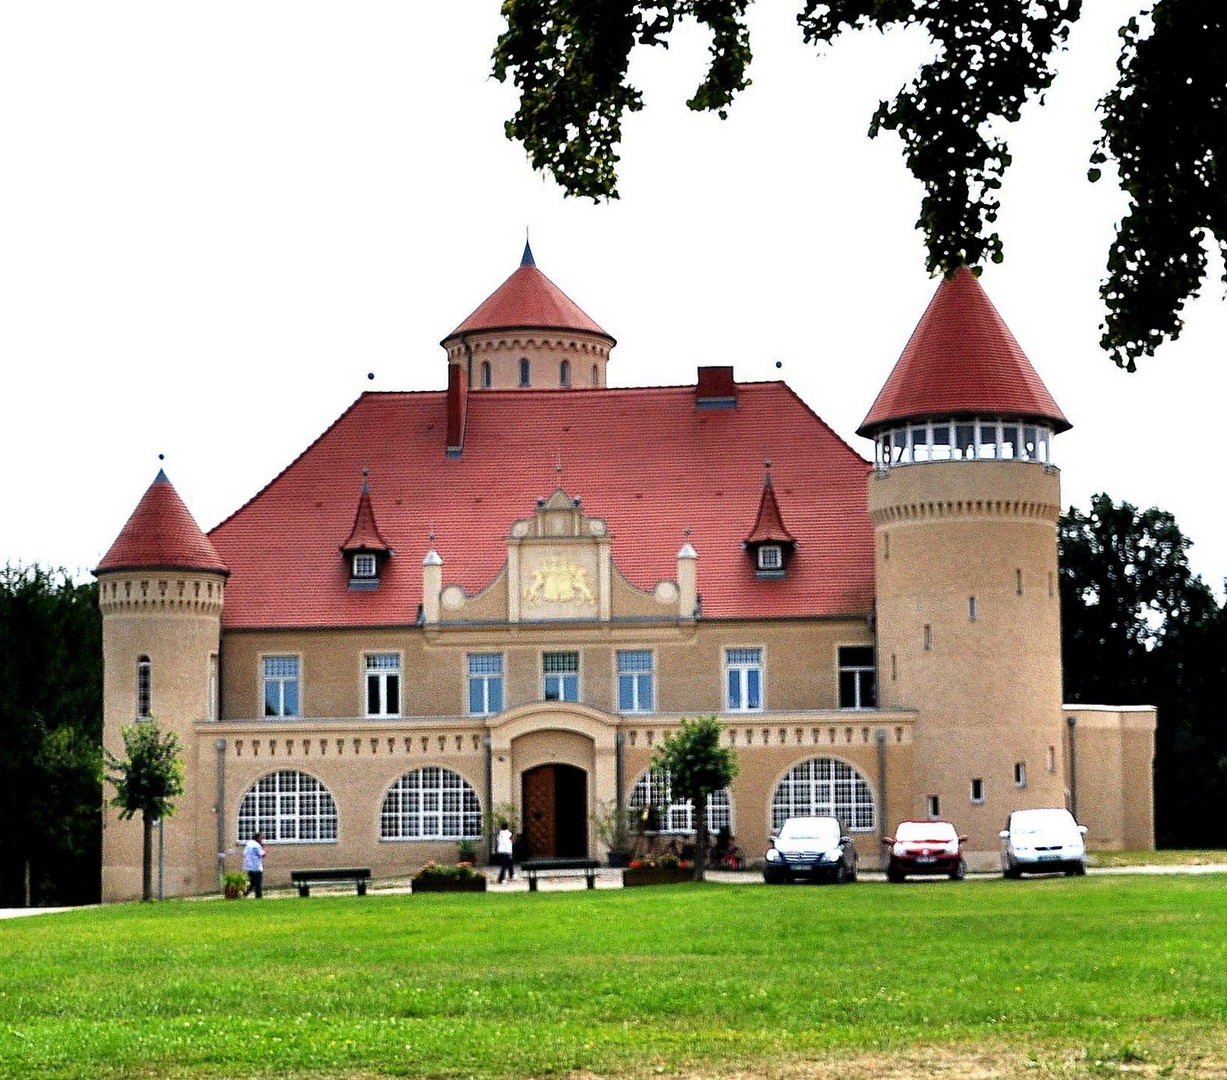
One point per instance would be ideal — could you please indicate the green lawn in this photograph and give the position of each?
(1066, 977)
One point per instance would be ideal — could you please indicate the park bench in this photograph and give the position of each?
(536, 867)
(304, 879)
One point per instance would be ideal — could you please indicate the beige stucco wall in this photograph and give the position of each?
(1112, 782)
(987, 690)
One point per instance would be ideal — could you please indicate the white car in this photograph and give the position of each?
(1042, 841)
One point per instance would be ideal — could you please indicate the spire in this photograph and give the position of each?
(161, 534)
(769, 527)
(365, 535)
(962, 360)
(527, 258)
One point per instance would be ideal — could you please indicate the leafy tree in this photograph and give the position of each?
(697, 766)
(1140, 628)
(50, 733)
(1164, 123)
(146, 782)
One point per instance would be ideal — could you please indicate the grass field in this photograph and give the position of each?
(1055, 977)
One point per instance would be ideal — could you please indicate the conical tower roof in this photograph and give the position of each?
(528, 299)
(161, 534)
(769, 527)
(962, 360)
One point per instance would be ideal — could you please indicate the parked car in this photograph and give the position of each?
(925, 847)
(1042, 841)
(810, 847)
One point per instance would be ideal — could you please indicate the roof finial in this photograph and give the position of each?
(686, 531)
(432, 535)
(366, 487)
(767, 478)
(527, 258)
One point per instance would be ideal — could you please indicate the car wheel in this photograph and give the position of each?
(959, 872)
(1011, 872)
(841, 874)
(894, 875)
(1077, 869)
(771, 878)
(852, 873)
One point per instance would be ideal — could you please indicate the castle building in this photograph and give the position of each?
(506, 593)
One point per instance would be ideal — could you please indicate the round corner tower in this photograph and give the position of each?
(964, 500)
(161, 588)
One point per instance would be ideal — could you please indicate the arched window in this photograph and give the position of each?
(144, 688)
(486, 377)
(525, 373)
(431, 803)
(653, 789)
(824, 787)
(288, 807)
(564, 373)
(596, 375)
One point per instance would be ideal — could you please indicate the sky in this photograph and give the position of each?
(216, 220)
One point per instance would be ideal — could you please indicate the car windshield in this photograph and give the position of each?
(1028, 823)
(824, 830)
(919, 831)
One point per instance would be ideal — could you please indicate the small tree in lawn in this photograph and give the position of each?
(697, 766)
(146, 781)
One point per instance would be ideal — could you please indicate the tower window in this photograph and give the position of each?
(1018, 582)
(144, 688)
(525, 372)
(1052, 759)
(487, 376)
(928, 637)
(596, 375)
(972, 611)
(564, 373)
(977, 790)
(934, 806)
(1020, 774)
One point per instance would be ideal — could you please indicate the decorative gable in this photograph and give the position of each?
(770, 543)
(365, 547)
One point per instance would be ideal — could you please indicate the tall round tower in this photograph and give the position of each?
(965, 499)
(161, 588)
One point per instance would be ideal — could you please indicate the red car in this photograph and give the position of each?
(925, 847)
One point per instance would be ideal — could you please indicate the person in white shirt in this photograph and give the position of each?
(504, 848)
(253, 865)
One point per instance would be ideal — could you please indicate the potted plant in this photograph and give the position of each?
(613, 829)
(665, 869)
(234, 884)
(436, 878)
(466, 852)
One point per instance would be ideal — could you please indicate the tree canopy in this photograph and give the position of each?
(50, 732)
(1164, 123)
(697, 766)
(1140, 628)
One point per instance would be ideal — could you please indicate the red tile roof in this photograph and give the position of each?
(528, 300)
(962, 360)
(769, 526)
(161, 534)
(365, 535)
(646, 460)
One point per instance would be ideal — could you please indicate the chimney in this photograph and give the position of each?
(716, 389)
(432, 586)
(687, 580)
(457, 408)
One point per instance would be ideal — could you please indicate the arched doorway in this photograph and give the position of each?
(555, 801)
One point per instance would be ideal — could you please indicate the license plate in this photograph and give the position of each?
(1047, 858)
(926, 858)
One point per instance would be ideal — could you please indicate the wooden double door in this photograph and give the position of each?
(555, 802)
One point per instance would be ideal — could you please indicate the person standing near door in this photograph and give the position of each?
(504, 848)
(253, 865)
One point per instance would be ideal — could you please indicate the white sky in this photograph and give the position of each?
(216, 219)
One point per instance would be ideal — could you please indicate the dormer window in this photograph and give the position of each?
(364, 566)
(365, 548)
(771, 557)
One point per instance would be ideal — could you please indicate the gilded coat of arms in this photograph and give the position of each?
(556, 582)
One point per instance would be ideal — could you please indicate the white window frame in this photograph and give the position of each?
(825, 787)
(381, 674)
(858, 671)
(484, 680)
(144, 688)
(430, 803)
(739, 665)
(770, 557)
(562, 678)
(281, 680)
(636, 678)
(654, 788)
(365, 565)
(285, 804)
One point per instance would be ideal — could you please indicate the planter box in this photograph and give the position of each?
(477, 884)
(661, 875)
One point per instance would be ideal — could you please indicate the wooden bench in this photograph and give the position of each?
(535, 867)
(304, 879)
